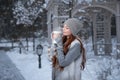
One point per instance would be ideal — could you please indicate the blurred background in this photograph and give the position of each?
(24, 24)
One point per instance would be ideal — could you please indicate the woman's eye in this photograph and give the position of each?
(67, 28)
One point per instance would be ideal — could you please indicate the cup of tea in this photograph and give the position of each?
(55, 34)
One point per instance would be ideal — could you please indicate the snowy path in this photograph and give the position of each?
(8, 70)
(28, 65)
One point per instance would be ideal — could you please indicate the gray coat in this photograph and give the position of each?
(70, 62)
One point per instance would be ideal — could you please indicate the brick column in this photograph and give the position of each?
(107, 25)
(55, 16)
(118, 28)
(94, 34)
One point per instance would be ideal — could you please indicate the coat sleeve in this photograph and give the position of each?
(72, 54)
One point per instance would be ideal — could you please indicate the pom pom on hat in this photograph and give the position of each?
(74, 24)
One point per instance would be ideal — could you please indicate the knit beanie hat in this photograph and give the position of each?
(74, 25)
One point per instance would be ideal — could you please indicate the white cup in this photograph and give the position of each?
(55, 34)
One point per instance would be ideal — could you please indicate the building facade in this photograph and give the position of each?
(101, 15)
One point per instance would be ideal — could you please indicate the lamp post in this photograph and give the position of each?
(20, 46)
(39, 51)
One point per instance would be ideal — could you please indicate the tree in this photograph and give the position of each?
(6, 17)
(28, 13)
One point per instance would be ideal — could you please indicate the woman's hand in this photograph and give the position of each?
(82, 65)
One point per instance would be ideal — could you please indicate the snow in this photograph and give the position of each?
(27, 15)
(84, 0)
(27, 63)
(97, 67)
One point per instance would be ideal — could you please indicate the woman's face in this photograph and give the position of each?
(66, 30)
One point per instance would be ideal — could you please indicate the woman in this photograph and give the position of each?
(69, 54)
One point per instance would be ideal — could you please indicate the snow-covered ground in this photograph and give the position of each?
(97, 67)
(27, 63)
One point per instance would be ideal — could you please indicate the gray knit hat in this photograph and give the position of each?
(74, 25)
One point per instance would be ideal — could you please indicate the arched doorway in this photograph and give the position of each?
(101, 18)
